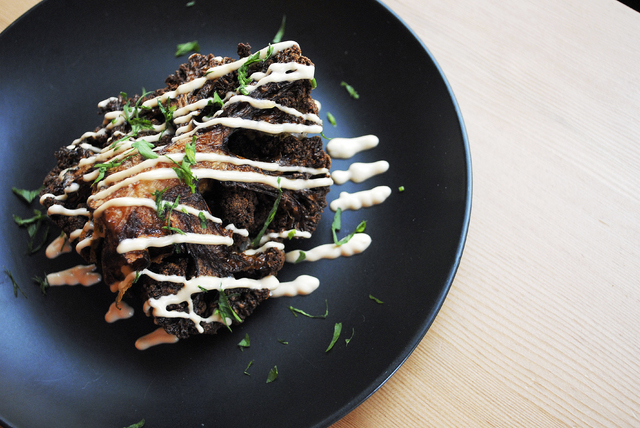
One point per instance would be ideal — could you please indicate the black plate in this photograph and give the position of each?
(62, 365)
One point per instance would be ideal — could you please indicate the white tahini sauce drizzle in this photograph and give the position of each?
(60, 210)
(157, 337)
(356, 245)
(80, 274)
(363, 199)
(58, 246)
(119, 311)
(302, 285)
(134, 244)
(344, 148)
(359, 172)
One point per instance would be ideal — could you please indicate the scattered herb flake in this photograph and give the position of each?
(202, 288)
(278, 37)
(246, 371)
(185, 48)
(337, 329)
(291, 234)
(137, 425)
(33, 225)
(346, 341)
(273, 374)
(216, 101)
(244, 343)
(272, 214)
(225, 310)
(296, 311)
(301, 256)
(243, 71)
(16, 287)
(284, 342)
(314, 84)
(183, 170)
(401, 189)
(203, 220)
(27, 195)
(43, 283)
(337, 224)
(331, 119)
(350, 89)
(145, 149)
(191, 3)
(375, 299)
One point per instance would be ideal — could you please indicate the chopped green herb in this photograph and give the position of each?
(284, 342)
(191, 3)
(42, 282)
(145, 149)
(244, 343)
(137, 425)
(375, 299)
(347, 341)
(243, 71)
(296, 311)
(216, 101)
(174, 230)
(314, 84)
(103, 167)
(16, 287)
(325, 137)
(273, 374)
(336, 225)
(278, 37)
(183, 170)
(158, 194)
(270, 217)
(337, 329)
(225, 310)
(136, 278)
(332, 120)
(246, 371)
(27, 195)
(203, 220)
(185, 48)
(291, 234)
(33, 225)
(167, 111)
(401, 189)
(350, 89)
(301, 256)
(202, 288)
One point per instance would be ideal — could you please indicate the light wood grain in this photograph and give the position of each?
(542, 324)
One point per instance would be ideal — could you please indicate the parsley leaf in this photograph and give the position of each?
(273, 374)
(291, 234)
(375, 299)
(183, 170)
(401, 189)
(203, 220)
(225, 310)
(243, 71)
(16, 287)
(137, 425)
(43, 283)
(284, 342)
(244, 343)
(103, 167)
(337, 329)
(314, 84)
(270, 217)
(347, 341)
(301, 256)
(144, 148)
(246, 371)
(185, 48)
(191, 3)
(296, 311)
(27, 195)
(332, 120)
(350, 89)
(335, 226)
(33, 225)
(278, 37)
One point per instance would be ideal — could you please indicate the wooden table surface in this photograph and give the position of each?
(542, 324)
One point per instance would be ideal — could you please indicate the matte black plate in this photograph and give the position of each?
(61, 364)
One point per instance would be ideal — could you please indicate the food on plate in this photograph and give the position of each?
(183, 196)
